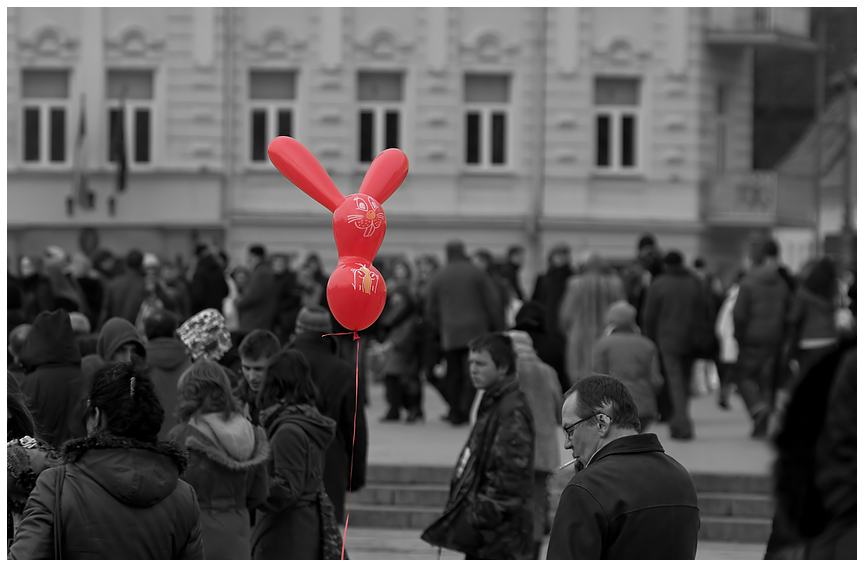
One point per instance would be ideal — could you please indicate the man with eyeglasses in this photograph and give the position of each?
(628, 498)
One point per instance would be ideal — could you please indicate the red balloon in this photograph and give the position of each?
(356, 293)
(301, 168)
(385, 175)
(359, 225)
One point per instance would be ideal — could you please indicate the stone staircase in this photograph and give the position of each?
(734, 508)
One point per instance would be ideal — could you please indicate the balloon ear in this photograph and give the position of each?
(301, 168)
(385, 175)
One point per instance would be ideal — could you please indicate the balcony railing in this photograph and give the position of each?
(759, 198)
(780, 27)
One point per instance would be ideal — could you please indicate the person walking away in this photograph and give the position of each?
(120, 494)
(511, 267)
(550, 287)
(628, 498)
(647, 266)
(289, 299)
(489, 512)
(54, 384)
(760, 314)
(538, 382)
(208, 287)
(549, 346)
(462, 303)
(335, 382)
(255, 352)
(484, 260)
(583, 312)
(168, 359)
(727, 356)
(630, 358)
(430, 340)
(291, 524)
(672, 310)
(227, 459)
(257, 303)
(125, 293)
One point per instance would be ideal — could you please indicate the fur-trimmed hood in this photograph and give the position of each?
(136, 473)
(227, 454)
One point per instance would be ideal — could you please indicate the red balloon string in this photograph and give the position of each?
(354, 435)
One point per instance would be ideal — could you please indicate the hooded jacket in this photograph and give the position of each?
(167, 359)
(290, 526)
(55, 385)
(115, 333)
(760, 311)
(121, 499)
(227, 469)
(209, 287)
(123, 296)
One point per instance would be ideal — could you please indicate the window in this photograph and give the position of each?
(134, 91)
(380, 96)
(722, 122)
(45, 108)
(272, 112)
(617, 109)
(487, 105)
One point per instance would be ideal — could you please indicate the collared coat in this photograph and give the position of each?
(489, 513)
(632, 501)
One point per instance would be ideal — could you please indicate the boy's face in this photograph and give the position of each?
(484, 373)
(254, 370)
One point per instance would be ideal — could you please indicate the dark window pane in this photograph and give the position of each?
(603, 139)
(31, 134)
(499, 138)
(113, 126)
(628, 141)
(272, 85)
(142, 136)
(366, 135)
(58, 134)
(392, 133)
(284, 123)
(472, 141)
(379, 86)
(259, 135)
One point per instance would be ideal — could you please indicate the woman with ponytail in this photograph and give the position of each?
(118, 494)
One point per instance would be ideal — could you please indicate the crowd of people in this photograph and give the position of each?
(213, 406)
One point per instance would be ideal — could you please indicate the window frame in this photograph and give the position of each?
(271, 108)
(379, 110)
(130, 107)
(616, 114)
(486, 110)
(44, 107)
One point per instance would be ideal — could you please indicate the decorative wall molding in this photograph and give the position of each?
(676, 122)
(330, 116)
(49, 42)
(565, 156)
(276, 44)
(436, 153)
(620, 52)
(383, 45)
(329, 152)
(566, 122)
(437, 120)
(133, 42)
(674, 156)
(488, 47)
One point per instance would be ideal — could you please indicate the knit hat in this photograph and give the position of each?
(205, 335)
(621, 314)
(314, 319)
(80, 323)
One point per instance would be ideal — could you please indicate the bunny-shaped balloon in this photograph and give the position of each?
(356, 292)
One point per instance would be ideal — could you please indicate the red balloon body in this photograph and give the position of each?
(359, 225)
(356, 293)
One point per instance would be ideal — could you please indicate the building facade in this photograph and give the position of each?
(528, 126)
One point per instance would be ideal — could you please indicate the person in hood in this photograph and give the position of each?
(549, 346)
(291, 523)
(54, 384)
(168, 359)
(121, 497)
(760, 317)
(119, 342)
(227, 459)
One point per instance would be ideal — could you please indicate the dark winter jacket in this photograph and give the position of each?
(121, 500)
(634, 360)
(335, 380)
(55, 385)
(289, 527)
(760, 312)
(258, 303)
(489, 513)
(462, 303)
(115, 333)
(549, 346)
(123, 296)
(209, 287)
(228, 470)
(510, 272)
(811, 317)
(632, 501)
(167, 359)
(36, 296)
(671, 311)
(549, 290)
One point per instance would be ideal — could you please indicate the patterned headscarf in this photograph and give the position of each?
(205, 335)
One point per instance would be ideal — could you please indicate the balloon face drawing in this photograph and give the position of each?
(369, 216)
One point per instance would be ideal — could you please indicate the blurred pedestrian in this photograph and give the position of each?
(35, 288)
(489, 512)
(16, 343)
(227, 459)
(623, 353)
(548, 346)
(255, 352)
(120, 492)
(462, 303)
(550, 287)
(430, 340)
(89, 284)
(538, 382)
(168, 359)
(178, 290)
(641, 273)
(675, 317)
(54, 384)
(67, 293)
(628, 498)
(760, 313)
(119, 341)
(125, 293)
(583, 312)
(257, 303)
(335, 380)
(288, 305)
(208, 287)
(484, 260)
(315, 269)
(291, 524)
(728, 346)
(510, 268)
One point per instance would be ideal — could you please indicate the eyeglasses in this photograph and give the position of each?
(568, 430)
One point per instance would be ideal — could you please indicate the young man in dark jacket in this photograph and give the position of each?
(489, 514)
(628, 498)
